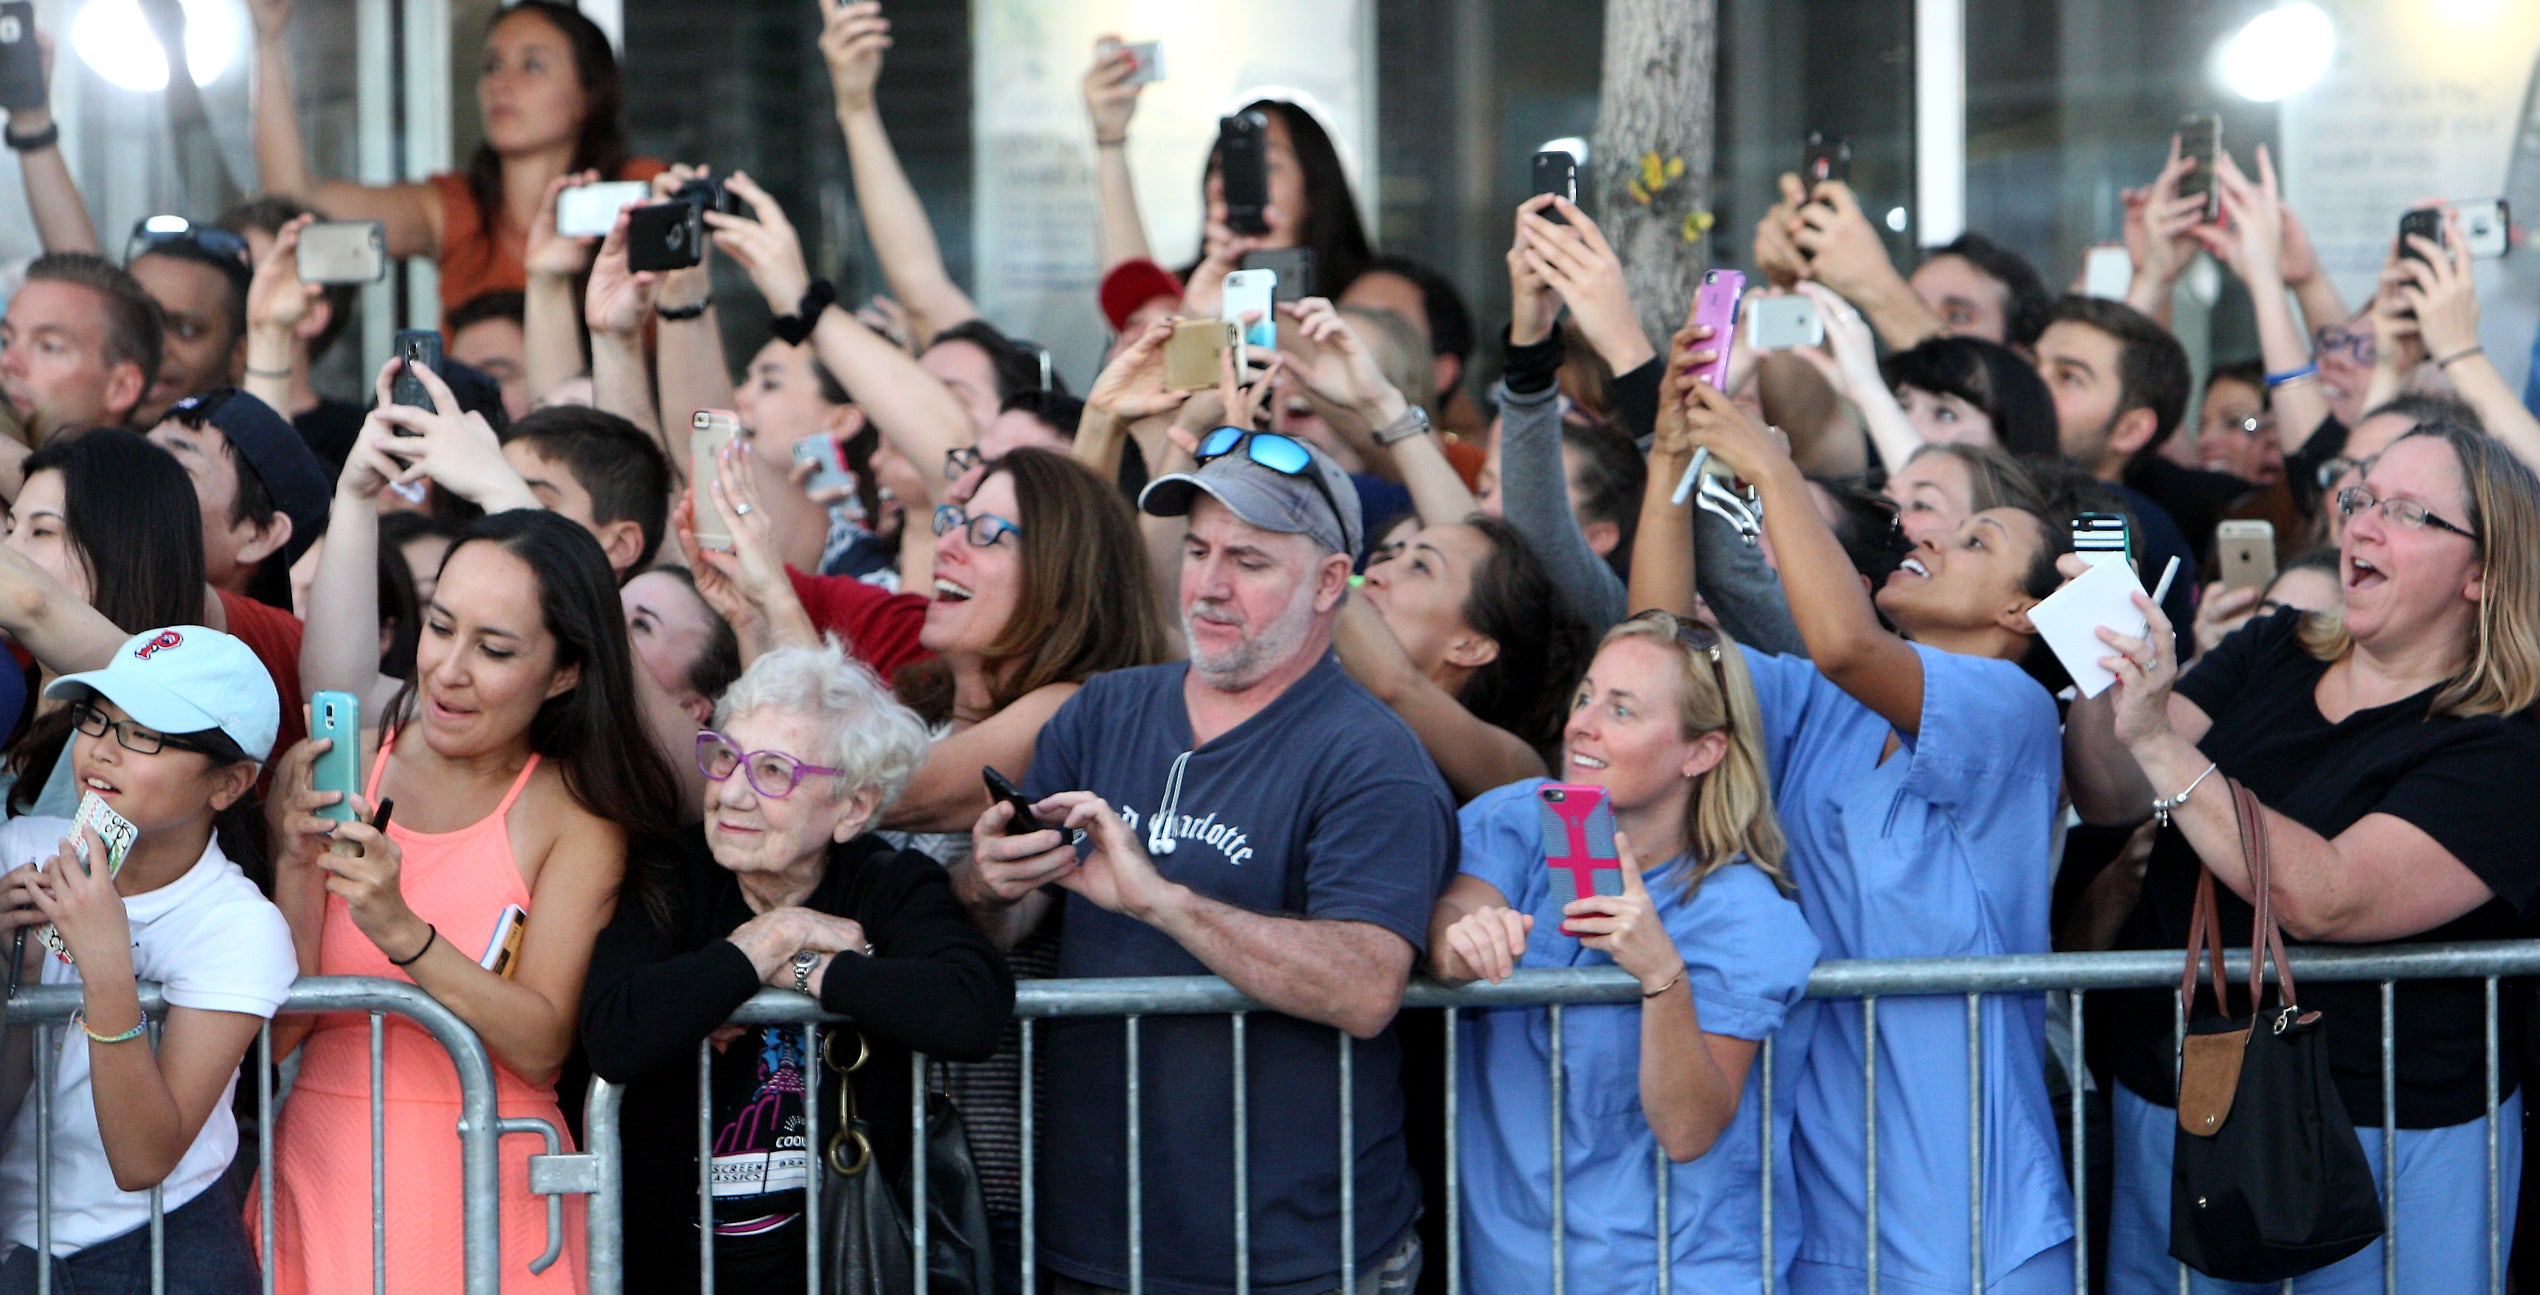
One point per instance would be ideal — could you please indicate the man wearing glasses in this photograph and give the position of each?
(199, 275)
(1254, 814)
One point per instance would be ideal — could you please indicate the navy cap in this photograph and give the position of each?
(289, 470)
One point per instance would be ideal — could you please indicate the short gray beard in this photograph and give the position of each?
(1253, 659)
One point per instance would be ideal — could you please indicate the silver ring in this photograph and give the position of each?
(740, 510)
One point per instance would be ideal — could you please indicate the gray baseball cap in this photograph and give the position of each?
(1323, 506)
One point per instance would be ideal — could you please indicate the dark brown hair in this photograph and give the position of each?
(601, 145)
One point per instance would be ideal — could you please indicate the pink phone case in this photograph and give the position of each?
(1577, 827)
(1716, 305)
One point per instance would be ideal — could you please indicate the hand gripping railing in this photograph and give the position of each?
(48, 1008)
(596, 1169)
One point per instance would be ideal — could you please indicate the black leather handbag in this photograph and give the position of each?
(868, 1236)
(2267, 1179)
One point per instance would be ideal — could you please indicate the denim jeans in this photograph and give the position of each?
(205, 1246)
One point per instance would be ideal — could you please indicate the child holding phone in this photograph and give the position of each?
(1665, 727)
(168, 736)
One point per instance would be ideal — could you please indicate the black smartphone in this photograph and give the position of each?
(2200, 139)
(666, 235)
(1826, 157)
(2425, 223)
(1243, 171)
(708, 194)
(1557, 173)
(21, 59)
(415, 346)
(1293, 265)
(1024, 822)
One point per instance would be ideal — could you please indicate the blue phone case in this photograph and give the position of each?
(337, 715)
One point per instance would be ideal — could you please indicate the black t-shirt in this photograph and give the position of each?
(330, 428)
(2466, 782)
(2193, 497)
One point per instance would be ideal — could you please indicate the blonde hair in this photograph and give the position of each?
(1729, 809)
(2502, 676)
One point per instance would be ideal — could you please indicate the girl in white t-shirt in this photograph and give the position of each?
(169, 735)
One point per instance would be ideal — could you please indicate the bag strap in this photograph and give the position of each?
(2204, 936)
(2266, 938)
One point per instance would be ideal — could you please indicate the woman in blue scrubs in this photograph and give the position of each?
(1917, 771)
(1665, 723)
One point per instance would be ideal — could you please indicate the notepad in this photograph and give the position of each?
(2070, 618)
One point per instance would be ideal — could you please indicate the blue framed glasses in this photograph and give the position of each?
(982, 531)
(1284, 455)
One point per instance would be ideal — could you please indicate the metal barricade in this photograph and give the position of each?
(1867, 982)
(47, 1009)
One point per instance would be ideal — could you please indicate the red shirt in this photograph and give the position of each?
(879, 627)
(274, 636)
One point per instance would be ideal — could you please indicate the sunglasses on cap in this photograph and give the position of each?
(1701, 638)
(182, 237)
(1281, 454)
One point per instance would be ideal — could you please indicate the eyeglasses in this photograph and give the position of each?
(2357, 344)
(1701, 638)
(131, 737)
(2406, 512)
(772, 774)
(982, 531)
(1281, 454)
(960, 459)
(185, 238)
(2335, 468)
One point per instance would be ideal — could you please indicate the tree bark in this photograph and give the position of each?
(1657, 102)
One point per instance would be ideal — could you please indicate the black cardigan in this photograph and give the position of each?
(935, 985)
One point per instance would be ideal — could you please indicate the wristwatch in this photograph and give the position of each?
(804, 964)
(1413, 421)
(795, 329)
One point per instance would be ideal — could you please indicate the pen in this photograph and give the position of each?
(2168, 573)
(379, 821)
(1693, 473)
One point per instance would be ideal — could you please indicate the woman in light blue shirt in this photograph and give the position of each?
(1665, 722)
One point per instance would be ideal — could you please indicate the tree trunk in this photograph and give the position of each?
(1652, 154)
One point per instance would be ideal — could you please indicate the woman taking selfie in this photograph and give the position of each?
(787, 887)
(522, 779)
(2391, 745)
(547, 92)
(1665, 724)
(168, 736)
(1932, 734)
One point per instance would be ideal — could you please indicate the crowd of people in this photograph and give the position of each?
(1284, 669)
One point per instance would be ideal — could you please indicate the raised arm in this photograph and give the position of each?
(1853, 371)
(52, 196)
(2160, 235)
(411, 213)
(1475, 755)
(1110, 101)
(852, 38)
(689, 368)
(1845, 254)
(550, 308)
(2253, 246)
(1129, 390)
(54, 624)
(616, 304)
(2438, 287)
(1576, 262)
(1341, 377)
(1662, 545)
(1842, 629)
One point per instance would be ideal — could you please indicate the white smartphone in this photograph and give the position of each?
(2486, 224)
(1780, 323)
(590, 210)
(2107, 273)
(1251, 292)
(1149, 57)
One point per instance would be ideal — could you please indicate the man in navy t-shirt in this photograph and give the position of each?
(1256, 815)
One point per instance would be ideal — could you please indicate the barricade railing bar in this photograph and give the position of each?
(1864, 981)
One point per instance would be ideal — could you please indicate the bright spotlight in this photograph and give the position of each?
(2279, 53)
(115, 40)
(1576, 147)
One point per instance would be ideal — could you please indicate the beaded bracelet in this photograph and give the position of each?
(80, 1019)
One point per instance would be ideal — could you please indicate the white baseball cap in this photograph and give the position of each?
(187, 679)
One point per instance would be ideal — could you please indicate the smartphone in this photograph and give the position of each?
(2107, 273)
(1243, 171)
(343, 251)
(1827, 157)
(707, 193)
(2486, 226)
(708, 433)
(1249, 293)
(21, 59)
(2247, 553)
(665, 236)
(418, 347)
(2425, 223)
(590, 210)
(502, 953)
(1780, 323)
(1716, 305)
(1024, 822)
(337, 716)
(1145, 56)
(829, 467)
(113, 830)
(2101, 538)
(1190, 354)
(1557, 173)
(1294, 267)
(1576, 825)
(2200, 139)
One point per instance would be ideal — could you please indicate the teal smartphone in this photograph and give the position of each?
(337, 716)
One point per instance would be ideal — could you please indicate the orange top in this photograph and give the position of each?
(476, 260)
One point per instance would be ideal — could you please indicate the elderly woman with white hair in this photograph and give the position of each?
(784, 886)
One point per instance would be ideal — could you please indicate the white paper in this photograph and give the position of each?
(2069, 620)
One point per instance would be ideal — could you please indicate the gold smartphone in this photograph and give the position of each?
(709, 432)
(2246, 550)
(1190, 354)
